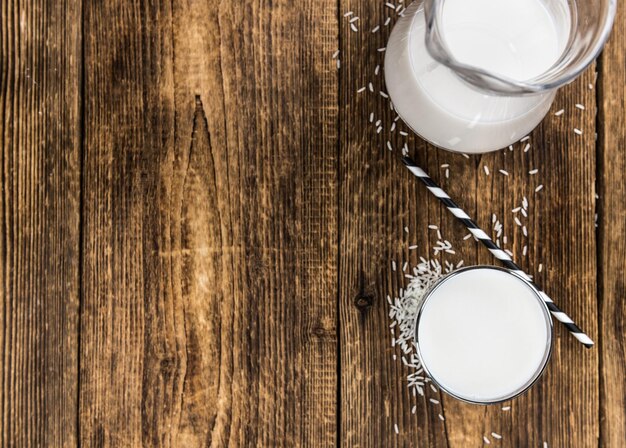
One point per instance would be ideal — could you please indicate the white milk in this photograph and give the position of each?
(484, 335)
(519, 39)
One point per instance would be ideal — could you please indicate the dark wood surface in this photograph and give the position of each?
(198, 222)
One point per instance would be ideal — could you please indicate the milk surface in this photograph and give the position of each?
(483, 335)
(514, 38)
(518, 39)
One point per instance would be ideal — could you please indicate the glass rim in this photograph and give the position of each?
(549, 343)
(500, 84)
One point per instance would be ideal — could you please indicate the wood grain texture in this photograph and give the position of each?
(113, 315)
(39, 212)
(562, 408)
(378, 200)
(611, 230)
(210, 225)
(198, 223)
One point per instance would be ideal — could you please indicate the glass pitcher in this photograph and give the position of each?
(475, 76)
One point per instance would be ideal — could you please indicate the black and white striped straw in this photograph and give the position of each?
(495, 250)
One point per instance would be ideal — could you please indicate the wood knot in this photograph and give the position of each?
(320, 332)
(167, 366)
(363, 301)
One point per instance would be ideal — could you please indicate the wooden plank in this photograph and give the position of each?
(611, 229)
(210, 225)
(562, 408)
(378, 199)
(113, 316)
(39, 211)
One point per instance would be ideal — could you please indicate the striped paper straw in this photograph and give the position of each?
(495, 250)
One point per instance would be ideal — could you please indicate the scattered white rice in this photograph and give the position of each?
(354, 19)
(517, 221)
(353, 27)
(487, 441)
(403, 311)
(433, 388)
(432, 227)
(377, 69)
(395, 428)
(523, 139)
(524, 212)
(580, 106)
(404, 134)
(383, 94)
(504, 172)
(390, 6)
(540, 268)
(387, 21)
(578, 131)
(495, 435)
(348, 14)
(441, 417)
(525, 250)
(510, 147)
(545, 444)
(506, 408)
(445, 165)
(370, 86)
(467, 237)
(559, 112)
(527, 147)
(413, 247)
(538, 188)
(338, 64)
(375, 29)
(413, 409)
(533, 172)
(389, 145)
(486, 170)
(381, 49)
(524, 231)
(447, 173)
(432, 400)
(393, 265)
(406, 229)
(335, 54)
(362, 89)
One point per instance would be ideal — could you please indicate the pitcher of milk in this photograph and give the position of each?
(475, 76)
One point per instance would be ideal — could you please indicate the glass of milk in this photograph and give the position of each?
(477, 75)
(483, 334)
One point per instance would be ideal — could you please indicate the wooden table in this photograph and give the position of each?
(198, 222)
